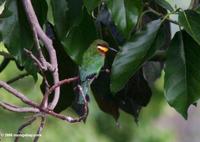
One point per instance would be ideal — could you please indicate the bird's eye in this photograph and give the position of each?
(102, 49)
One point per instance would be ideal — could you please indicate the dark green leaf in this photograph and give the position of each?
(135, 95)
(190, 21)
(164, 4)
(65, 14)
(134, 53)
(74, 27)
(125, 14)
(101, 92)
(79, 37)
(182, 76)
(16, 33)
(91, 4)
(41, 9)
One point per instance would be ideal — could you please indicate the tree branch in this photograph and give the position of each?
(19, 95)
(65, 81)
(14, 108)
(26, 124)
(17, 78)
(38, 63)
(41, 127)
(49, 46)
(37, 45)
(45, 110)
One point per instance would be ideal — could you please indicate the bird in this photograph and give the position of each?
(92, 62)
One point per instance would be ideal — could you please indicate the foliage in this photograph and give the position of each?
(138, 30)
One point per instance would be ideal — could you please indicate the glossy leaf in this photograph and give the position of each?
(190, 21)
(134, 53)
(164, 4)
(79, 37)
(125, 14)
(182, 76)
(71, 26)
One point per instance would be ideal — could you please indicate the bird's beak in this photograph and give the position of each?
(105, 49)
(112, 49)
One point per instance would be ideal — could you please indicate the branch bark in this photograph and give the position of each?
(49, 46)
(14, 108)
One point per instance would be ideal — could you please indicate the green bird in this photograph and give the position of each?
(90, 67)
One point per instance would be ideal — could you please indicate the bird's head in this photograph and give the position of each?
(96, 52)
(103, 47)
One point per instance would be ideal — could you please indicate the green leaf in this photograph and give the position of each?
(182, 76)
(190, 21)
(16, 34)
(79, 37)
(125, 14)
(65, 14)
(164, 4)
(134, 53)
(74, 27)
(91, 4)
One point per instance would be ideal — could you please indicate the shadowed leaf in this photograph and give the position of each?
(182, 76)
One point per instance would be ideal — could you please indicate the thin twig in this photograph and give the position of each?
(37, 45)
(21, 76)
(41, 127)
(85, 102)
(39, 64)
(65, 81)
(29, 122)
(14, 108)
(49, 46)
(18, 94)
(162, 16)
(45, 110)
